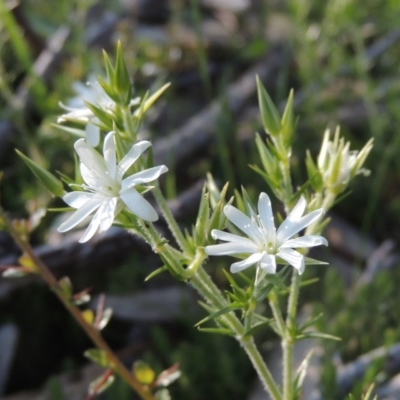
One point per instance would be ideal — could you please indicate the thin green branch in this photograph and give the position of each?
(172, 224)
(288, 342)
(202, 282)
(276, 312)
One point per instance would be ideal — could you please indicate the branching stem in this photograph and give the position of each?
(117, 366)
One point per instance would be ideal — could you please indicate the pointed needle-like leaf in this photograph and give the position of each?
(269, 114)
(48, 180)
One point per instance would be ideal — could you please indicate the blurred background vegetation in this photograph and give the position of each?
(342, 58)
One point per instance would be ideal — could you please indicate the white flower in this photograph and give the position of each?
(264, 243)
(90, 92)
(337, 164)
(105, 190)
(78, 111)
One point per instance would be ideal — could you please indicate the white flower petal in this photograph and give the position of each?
(312, 217)
(266, 244)
(294, 223)
(268, 263)
(145, 176)
(88, 176)
(305, 241)
(76, 115)
(89, 156)
(284, 231)
(248, 262)
(95, 179)
(322, 158)
(229, 237)
(92, 228)
(80, 214)
(107, 213)
(243, 222)
(226, 249)
(266, 216)
(132, 155)
(77, 199)
(298, 210)
(110, 156)
(92, 134)
(138, 205)
(293, 257)
(287, 230)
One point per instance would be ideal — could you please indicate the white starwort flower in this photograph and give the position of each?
(266, 245)
(78, 111)
(105, 189)
(337, 164)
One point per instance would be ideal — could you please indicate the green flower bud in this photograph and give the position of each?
(337, 164)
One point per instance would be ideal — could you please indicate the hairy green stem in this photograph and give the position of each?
(276, 312)
(248, 319)
(172, 224)
(202, 282)
(289, 340)
(292, 303)
(128, 123)
(284, 164)
(197, 262)
(160, 246)
(287, 184)
(262, 370)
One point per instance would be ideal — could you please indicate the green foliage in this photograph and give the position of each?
(269, 114)
(329, 45)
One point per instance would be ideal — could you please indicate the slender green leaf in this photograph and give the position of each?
(310, 321)
(288, 122)
(312, 261)
(221, 331)
(202, 218)
(151, 100)
(80, 133)
(269, 114)
(317, 335)
(48, 180)
(109, 67)
(276, 280)
(98, 356)
(257, 327)
(314, 175)
(231, 307)
(260, 294)
(155, 273)
(121, 81)
(230, 278)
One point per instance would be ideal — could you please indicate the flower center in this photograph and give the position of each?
(268, 247)
(114, 188)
